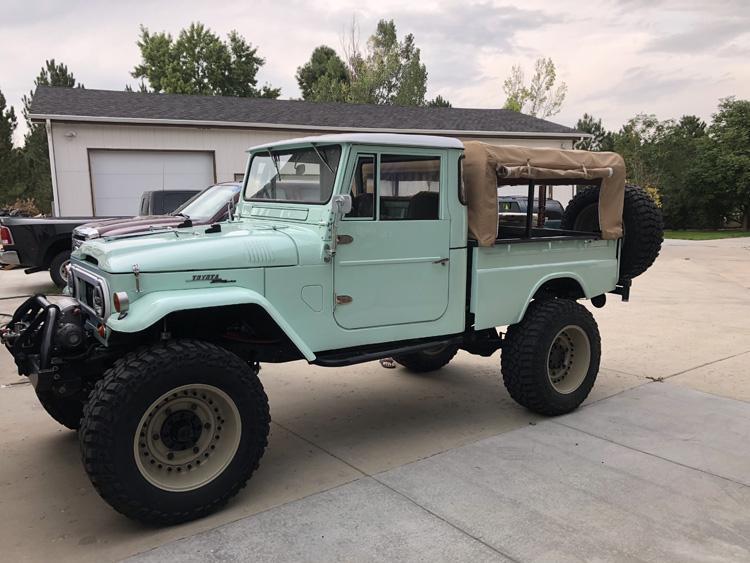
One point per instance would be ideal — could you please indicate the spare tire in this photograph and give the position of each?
(642, 226)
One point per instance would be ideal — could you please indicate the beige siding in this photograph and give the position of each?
(71, 142)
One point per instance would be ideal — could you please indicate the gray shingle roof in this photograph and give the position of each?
(101, 105)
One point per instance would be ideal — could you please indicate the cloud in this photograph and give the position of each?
(708, 35)
(618, 58)
(644, 83)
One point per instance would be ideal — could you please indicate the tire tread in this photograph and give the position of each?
(118, 386)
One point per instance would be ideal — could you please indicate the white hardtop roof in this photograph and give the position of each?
(429, 141)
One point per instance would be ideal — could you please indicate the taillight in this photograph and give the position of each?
(5, 237)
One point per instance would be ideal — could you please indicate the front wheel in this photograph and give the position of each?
(58, 267)
(172, 432)
(550, 359)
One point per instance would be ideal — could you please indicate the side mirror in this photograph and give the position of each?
(342, 204)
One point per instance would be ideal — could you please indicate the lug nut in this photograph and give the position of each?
(155, 437)
(207, 425)
(195, 450)
(194, 406)
(170, 455)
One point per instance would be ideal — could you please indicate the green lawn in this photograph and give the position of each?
(705, 235)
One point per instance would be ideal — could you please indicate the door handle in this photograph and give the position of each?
(442, 261)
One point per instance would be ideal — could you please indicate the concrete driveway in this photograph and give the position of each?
(373, 464)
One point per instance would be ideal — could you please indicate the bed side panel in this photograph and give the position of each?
(506, 276)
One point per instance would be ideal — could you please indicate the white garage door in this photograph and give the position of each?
(118, 178)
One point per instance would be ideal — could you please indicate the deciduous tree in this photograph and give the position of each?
(199, 62)
(541, 97)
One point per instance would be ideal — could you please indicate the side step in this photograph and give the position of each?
(361, 354)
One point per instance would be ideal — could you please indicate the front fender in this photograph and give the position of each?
(153, 307)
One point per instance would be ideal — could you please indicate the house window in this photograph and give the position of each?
(409, 187)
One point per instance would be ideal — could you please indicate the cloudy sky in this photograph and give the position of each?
(618, 57)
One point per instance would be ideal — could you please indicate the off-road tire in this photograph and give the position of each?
(526, 354)
(114, 412)
(427, 360)
(66, 411)
(55, 268)
(643, 227)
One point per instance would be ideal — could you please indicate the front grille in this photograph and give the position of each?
(85, 285)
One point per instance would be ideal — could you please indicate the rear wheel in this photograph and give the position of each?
(429, 359)
(64, 410)
(550, 359)
(173, 431)
(57, 268)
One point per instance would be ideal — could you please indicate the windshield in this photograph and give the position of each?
(304, 175)
(209, 202)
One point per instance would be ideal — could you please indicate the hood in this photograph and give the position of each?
(236, 246)
(124, 226)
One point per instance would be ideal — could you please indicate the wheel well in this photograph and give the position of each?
(246, 330)
(56, 247)
(566, 288)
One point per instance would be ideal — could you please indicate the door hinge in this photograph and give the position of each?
(343, 299)
(344, 239)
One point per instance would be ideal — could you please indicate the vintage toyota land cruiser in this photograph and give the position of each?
(343, 249)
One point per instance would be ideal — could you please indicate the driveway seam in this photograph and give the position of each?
(730, 480)
(706, 364)
(401, 494)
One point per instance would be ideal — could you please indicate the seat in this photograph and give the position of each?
(424, 206)
(364, 206)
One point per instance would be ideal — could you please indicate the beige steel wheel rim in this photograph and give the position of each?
(187, 437)
(568, 359)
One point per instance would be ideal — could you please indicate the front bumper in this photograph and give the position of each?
(10, 258)
(29, 337)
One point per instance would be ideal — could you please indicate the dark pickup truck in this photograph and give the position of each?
(44, 243)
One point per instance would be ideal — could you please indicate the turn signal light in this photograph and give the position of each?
(121, 301)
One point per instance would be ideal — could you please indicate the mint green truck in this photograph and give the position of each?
(343, 249)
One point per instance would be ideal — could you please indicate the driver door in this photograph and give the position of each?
(392, 264)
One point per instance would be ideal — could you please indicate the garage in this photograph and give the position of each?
(119, 177)
(107, 147)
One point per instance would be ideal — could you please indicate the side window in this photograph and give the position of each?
(409, 187)
(363, 188)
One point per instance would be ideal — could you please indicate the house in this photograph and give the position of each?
(107, 147)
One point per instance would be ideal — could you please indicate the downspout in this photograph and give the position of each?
(53, 169)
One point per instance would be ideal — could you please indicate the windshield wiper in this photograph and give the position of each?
(320, 156)
(275, 164)
(188, 222)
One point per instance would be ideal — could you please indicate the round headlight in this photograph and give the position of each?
(97, 299)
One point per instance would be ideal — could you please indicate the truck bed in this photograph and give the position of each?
(506, 276)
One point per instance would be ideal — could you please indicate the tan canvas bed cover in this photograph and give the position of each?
(486, 166)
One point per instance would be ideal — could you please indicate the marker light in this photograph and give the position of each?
(121, 301)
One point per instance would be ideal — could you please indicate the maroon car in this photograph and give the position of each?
(205, 208)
